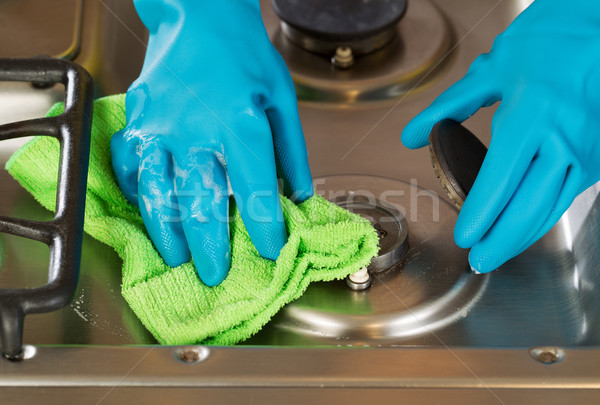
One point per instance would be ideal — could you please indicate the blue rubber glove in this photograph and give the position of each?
(214, 101)
(545, 148)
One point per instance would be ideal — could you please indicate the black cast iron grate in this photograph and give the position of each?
(63, 234)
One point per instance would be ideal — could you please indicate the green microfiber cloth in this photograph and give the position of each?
(325, 243)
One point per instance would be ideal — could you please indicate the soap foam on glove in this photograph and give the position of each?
(325, 242)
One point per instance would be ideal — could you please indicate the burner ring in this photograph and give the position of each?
(411, 59)
(390, 223)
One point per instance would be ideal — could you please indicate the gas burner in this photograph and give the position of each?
(390, 224)
(392, 230)
(323, 26)
(355, 51)
(415, 289)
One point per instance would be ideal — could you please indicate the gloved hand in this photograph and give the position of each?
(545, 148)
(214, 101)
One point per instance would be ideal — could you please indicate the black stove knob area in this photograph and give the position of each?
(322, 25)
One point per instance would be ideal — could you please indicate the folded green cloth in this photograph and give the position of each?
(325, 242)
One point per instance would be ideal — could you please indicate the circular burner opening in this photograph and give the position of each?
(389, 223)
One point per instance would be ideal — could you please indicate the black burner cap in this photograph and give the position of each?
(457, 156)
(340, 20)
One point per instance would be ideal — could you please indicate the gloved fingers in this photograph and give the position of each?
(571, 188)
(158, 206)
(151, 12)
(528, 207)
(253, 179)
(124, 150)
(203, 198)
(513, 146)
(290, 149)
(459, 102)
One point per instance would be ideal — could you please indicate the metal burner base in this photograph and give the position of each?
(409, 61)
(430, 289)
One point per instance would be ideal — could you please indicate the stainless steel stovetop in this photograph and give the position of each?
(427, 329)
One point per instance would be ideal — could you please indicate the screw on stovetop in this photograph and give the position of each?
(361, 280)
(191, 354)
(548, 355)
(343, 58)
